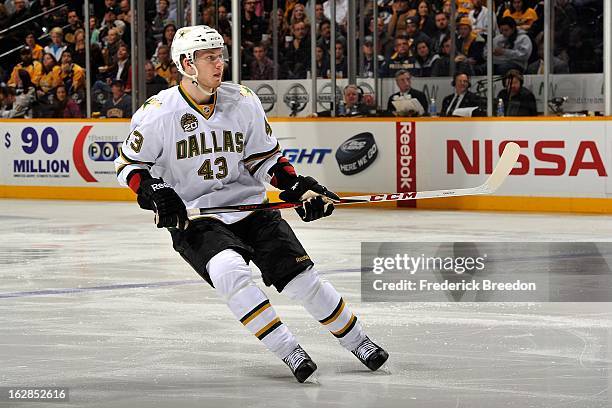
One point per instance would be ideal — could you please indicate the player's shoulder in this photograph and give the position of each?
(232, 93)
(156, 106)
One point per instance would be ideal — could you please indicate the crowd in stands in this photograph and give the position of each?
(44, 76)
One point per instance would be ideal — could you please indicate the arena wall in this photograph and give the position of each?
(564, 162)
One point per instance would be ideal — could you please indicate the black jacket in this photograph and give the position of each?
(523, 104)
(470, 99)
(420, 96)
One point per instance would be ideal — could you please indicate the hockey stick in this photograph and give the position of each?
(501, 171)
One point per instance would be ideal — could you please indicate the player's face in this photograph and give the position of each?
(210, 67)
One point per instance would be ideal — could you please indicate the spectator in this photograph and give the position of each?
(120, 105)
(384, 46)
(125, 14)
(25, 95)
(426, 23)
(37, 50)
(441, 31)
(413, 34)
(162, 18)
(424, 60)
(8, 108)
(73, 75)
(403, 80)
(154, 84)
(511, 49)
(523, 16)
(50, 78)
(175, 75)
(164, 62)
(518, 100)
(353, 103)
(169, 32)
(253, 26)
(78, 53)
(470, 47)
(74, 24)
(299, 15)
(208, 16)
(109, 51)
(108, 24)
(225, 26)
(400, 59)
(33, 68)
(64, 106)
(319, 15)
(341, 64)
(322, 61)
(94, 31)
(537, 67)
(369, 60)
(462, 97)
(57, 45)
(262, 67)
(121, 69)
(325, 38)
(479, 16)
(296, 54)
(397, 24)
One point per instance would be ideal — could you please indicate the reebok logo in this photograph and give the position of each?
(159, 186)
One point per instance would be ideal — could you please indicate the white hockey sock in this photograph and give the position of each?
(325, 304)
(231, 277)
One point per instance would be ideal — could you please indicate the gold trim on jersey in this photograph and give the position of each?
(127, 162)
(254, 161)
(206, 110)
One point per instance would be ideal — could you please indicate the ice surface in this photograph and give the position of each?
(92, 297)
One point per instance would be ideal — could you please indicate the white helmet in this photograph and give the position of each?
(188, 40)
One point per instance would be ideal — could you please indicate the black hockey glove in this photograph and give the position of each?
(157, 195)
(317, 201)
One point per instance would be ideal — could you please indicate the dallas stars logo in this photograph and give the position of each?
(153, 101)
(244, 91)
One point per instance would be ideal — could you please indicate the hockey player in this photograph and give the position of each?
(205, 143)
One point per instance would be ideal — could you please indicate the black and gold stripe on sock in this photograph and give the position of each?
(268, 328)
(334, 315)
(256, 311)
(349, 326)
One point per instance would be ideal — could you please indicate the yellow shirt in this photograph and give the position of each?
(164, 72)
(523, 20)
(78, 77)
(37, 52)
(51, 79)
(35, 71)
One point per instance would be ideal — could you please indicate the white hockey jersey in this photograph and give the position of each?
(212, 155)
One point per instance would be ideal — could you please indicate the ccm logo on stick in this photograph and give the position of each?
(551, 157)
(386, 197)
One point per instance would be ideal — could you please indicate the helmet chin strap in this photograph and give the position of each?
(194, 80)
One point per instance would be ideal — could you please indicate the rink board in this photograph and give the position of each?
(564, 162)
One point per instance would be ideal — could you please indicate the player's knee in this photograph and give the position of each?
(304, 286)
(229, 273)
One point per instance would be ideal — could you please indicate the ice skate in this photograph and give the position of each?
(370, 354)
(300, 363)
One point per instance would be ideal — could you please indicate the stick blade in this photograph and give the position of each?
(503, 168)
